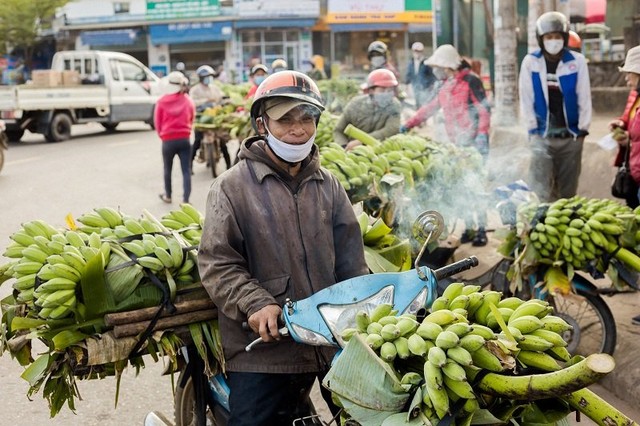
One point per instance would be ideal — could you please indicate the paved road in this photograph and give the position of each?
(48, 181)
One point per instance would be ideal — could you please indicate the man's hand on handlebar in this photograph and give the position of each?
(265, 322)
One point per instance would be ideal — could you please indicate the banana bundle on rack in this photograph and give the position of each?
(441, 355)
(418, 160)
(579, 233)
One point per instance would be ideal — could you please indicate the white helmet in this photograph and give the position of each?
(445, 56)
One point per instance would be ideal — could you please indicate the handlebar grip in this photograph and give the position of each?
(454, 268)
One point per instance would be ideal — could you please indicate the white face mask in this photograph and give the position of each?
(554, 46)
(417, 56)
(289, 152)
(439, 73)
(377, 61)
(383, 99)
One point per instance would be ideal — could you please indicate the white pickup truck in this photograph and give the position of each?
(112, 87)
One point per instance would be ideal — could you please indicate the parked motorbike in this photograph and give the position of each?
(318, 321)
(4, 142)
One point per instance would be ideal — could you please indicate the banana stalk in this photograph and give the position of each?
(549, 385)
(597, 409)
(354, 133)
(625, 256)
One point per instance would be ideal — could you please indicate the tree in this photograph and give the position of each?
(506, 84)
(23, 21)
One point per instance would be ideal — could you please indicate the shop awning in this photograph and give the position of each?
(386, 26)
(420, 28)
(125, 37)
(275, 23)
(190, 32)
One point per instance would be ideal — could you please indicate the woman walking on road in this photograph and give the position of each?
(173, 118)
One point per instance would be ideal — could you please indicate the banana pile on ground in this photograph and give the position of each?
(577, 233)
(324, 132)
(467, 333)
(429, 168)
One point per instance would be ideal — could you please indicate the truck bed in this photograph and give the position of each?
(26, 97)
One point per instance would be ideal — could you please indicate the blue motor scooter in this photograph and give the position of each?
(318, 320)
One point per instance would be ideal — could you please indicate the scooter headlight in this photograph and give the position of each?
(339, 317)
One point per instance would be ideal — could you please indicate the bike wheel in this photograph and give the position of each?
(594, 328)
(184, 403)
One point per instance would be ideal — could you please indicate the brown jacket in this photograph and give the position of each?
(268, 237)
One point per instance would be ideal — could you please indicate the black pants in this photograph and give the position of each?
(260, 399)
(181, 148)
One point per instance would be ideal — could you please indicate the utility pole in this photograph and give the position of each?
(506, 64)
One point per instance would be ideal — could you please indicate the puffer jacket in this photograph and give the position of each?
(364, 114)
(466, 109)
(267, 237)
(631, 119)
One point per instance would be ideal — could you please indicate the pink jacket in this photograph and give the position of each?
(173, 116)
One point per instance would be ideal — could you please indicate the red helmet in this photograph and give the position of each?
(381, 78)
(286, 84)
(575, 42)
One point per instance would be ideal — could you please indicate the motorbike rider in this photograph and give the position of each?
(378, 55)
(274, 225)
(205, 94)
(376, 112)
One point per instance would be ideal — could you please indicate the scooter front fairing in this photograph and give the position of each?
(319, 319)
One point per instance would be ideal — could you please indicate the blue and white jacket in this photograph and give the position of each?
(573, 77)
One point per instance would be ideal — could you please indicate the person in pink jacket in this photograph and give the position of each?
(173, 119)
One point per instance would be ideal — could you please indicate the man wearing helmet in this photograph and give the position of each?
(555, 105)
(205, 94)
(467, 117)
(378, 55)
(273, 225)
(376, 112)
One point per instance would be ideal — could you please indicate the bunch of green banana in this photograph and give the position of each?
(324, 132)
(578, 230)
(187, 220)
(351, 168)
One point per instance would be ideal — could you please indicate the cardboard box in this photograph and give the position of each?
(46, 78)
(70, 78)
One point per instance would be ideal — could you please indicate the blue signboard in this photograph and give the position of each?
(190, 32)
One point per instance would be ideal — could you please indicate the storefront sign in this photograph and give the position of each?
(176, 9)
(190, 32)
(277, 8)
(374, 11)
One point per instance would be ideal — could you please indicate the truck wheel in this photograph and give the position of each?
(14, 135)
(110, 127)
(59, 128)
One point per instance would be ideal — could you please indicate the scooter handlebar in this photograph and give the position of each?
(455, 267)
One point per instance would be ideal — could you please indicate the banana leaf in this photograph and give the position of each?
(370, 393)
(378, 263)
(96, 295)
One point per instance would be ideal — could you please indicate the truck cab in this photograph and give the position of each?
(95, 86)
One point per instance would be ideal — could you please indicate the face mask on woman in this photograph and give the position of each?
(377, 61)
(383, 99)
(439, 73)
(553, 46)
(289, 152)
(259, 79)
(207, 80)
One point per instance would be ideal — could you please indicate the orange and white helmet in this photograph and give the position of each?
(381, 78)
(574, 42)
(286, 84)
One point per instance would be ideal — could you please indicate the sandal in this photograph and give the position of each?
(480, 240)
(165, 198)
(467, 236)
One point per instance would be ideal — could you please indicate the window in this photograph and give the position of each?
(132, 72)
(121, 7)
